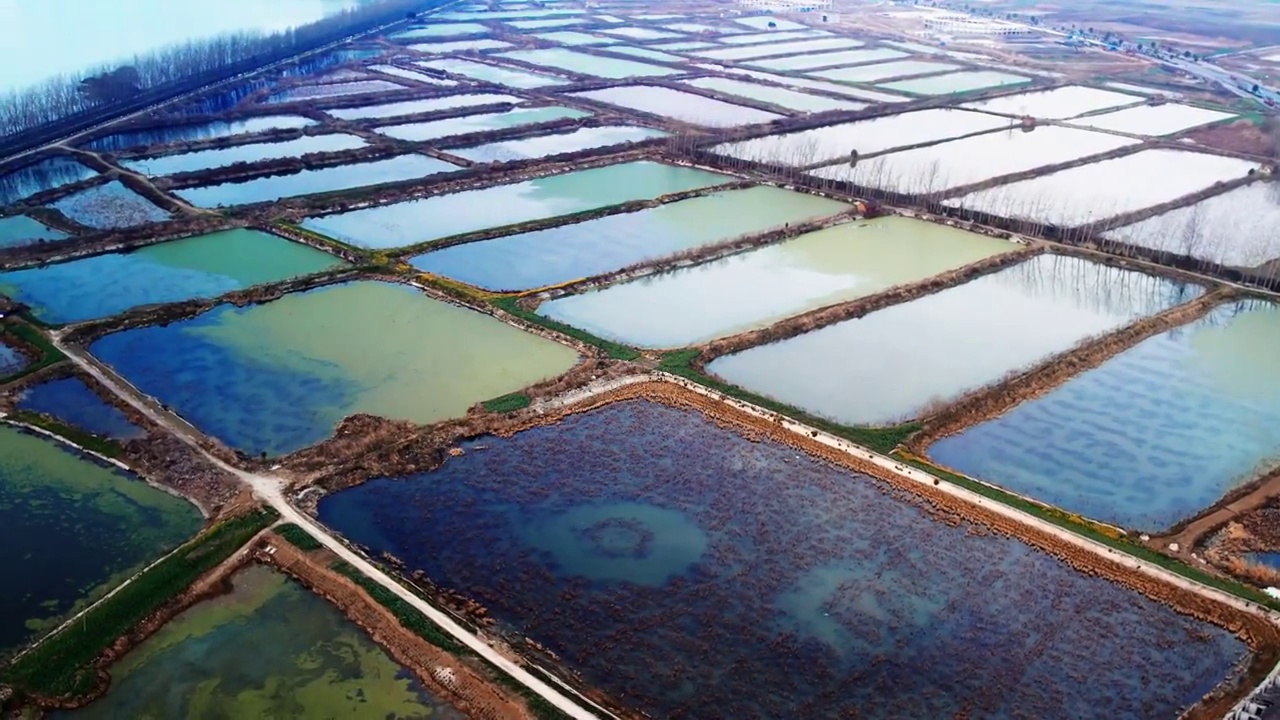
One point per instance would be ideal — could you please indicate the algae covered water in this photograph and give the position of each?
(693, 573)
(267, 649)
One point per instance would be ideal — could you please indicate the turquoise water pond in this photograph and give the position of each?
(419, 221)
(20, 230)
(1150, 437)
(72, 402)
(194, 267)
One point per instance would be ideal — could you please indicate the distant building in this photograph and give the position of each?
(969, 25)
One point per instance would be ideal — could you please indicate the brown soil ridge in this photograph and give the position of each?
(463, 685)
(1236, 504)
(990, 401)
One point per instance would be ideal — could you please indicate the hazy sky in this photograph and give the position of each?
(42, 38)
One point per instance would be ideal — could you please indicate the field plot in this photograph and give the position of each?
(434, 129)
(771, 49)
(1152, 436)
(332, 90)
(871, 370)
(419, 221)
(956, 82)
(789, 99)
(1154, 120)
(881, 71)
(642, 544)
(195, 267)
(251, 153)
(548, 145)
(948, 165)
(268, 648)
(414, 107)
(593, 65)
(1056, 104)
(756, 288)
(71, 401)
(832, 142)
(308, 182)
(20, 230)
(72, 529)
(676, 105)
(47, 174)
(1234, 228)
(1104, 189)
(818, 60)
(288, 370)
(566, 252)
(492, 73)
(201, 131)
(109, 207)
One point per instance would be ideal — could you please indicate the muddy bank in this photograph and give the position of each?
(244, 171)
(984, 403)
(1255, 504)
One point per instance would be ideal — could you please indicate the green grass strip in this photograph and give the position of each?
(106, 447)
(615, 350)
(297, 537)
(62, 665)
(507, 403)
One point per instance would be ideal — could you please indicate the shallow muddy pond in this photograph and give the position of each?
(1154, 120)
(1055, 104)
(71, 401)
(541, 146)
(37, 177)
(187, 133)
(415, 107)
(956, 82)
(564, 253)
(678, 566)
(949, 165)
(1234, 228)
(675, 105)
(109, 207)
(322, 180)
(833, 142)
(782, 97)
(196, 267)
(266, 649)
(492, 73)
(251, 153)
(1150, 437)
(423, 131)
(759, 287)
(819, 60)
(71, 529)
(585, 64)
(289, 370)
(11, 360)
(419, 221)
(872, 370)
(881, 71)
(20, 230)
(1100, 190)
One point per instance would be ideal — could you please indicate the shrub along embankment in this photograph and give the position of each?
(68, 668)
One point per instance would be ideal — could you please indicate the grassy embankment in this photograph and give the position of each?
(106, 447)
(27, 336)
(297, 537)
(507, 403)
(614, 350)
(62, 665)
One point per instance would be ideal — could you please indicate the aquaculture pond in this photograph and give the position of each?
(196, 267)
(11, 360)
(432, 130)
(681, 106)
(202, 131)
(805, 84)
(71, 401)
(881, 71)
(72, 528)
(1150, 437)
(1100, 190)
(251, 153)
(460, 46)
(585, 64)
(757, 288)
(1154, 120)
(678, 566)
(572, 37)
(333, 90)
(414, 107)
(646, 54)
(1056, 104)
(1234, 228)
(322, 180)
(266, 649)
(566, 252)
(956, 82)
(782, 97)
(820, 60)
(768, 37)
(492, 73)
(806, 47)
(289, 370)
(442, 30)
(540, 146)
(20, 230)
(413, 75)
(37, 177)
(872, 370)
(419, 221)
(770, 23)
(109, 207)
(949, 165)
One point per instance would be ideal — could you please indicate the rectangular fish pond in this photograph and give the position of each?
(801, 47)
(287, 371)
(509, 77)
(414, 107)
(893, 364)
(109, 207)
(1150, 437)
(333, 90)
(1154, 120)
(675, 105)
(70, 400)
(11, 360)
(320, 180)
(202, 266)
(419, 221)
(782, 97)
(956, 82)
(251, 153)
(71, 529)
(756, 288)
(37, 177)
(435, 129)
(881, 71)
(583, 249)
(1234, 228)
(541, 146)
(269, 648)
(811, 61)
(20, 231)
(1056, 104)
(681, 567)
(593, 65)
(203, 131)
(806, 84)
(413, 75)
(460, 46)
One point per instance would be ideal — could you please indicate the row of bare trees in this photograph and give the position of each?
(104, 86)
